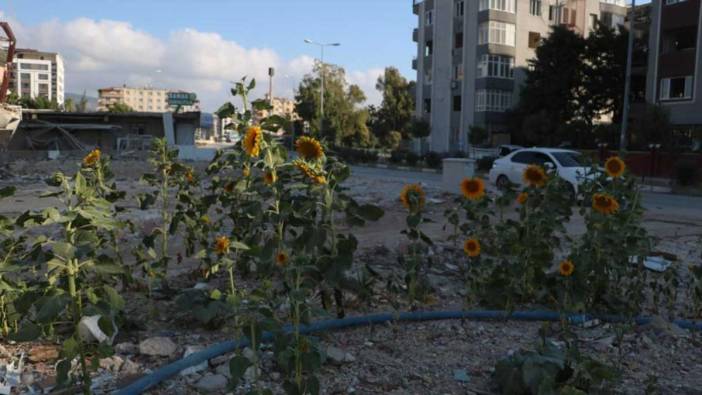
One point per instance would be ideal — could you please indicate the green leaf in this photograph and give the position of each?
(71, 348)
(51, 308)
(237, 245)
(63, 250)
(26, 333)
(237, 368)
(114, 299)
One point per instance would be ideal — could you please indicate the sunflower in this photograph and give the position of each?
(222, 245)
(309, 148)
(534, 176)
(321, 180)
(566, 268)
(615, 167)
(92, 158)
(229, 187)
(604, 204)
(471, 247)
(205, 219)
(246, 171)
(313, 175)
(413, 197)
(281, 259)
(269, 177)
(189, 176)
(522, 198)
(473, 188)
(252, 141)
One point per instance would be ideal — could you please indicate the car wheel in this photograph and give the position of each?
(502, 182)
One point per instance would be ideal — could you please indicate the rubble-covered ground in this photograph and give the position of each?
(446, 357)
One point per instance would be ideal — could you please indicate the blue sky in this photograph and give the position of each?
(373, 33)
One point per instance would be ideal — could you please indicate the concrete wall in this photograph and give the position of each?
(441, 103)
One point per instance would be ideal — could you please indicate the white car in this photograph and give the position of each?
(568, 165)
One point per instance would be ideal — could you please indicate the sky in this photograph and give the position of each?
(202, 45)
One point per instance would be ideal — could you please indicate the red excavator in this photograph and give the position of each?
(7, 53)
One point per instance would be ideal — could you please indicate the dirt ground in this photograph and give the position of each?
(447, 357)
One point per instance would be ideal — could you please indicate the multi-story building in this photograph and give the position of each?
(472, 57)
(281, 106)
(674, 78)
(139, 99)
(37, 74)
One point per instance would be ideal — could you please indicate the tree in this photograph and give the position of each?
(344, 120)
(652, 126)
(119, 107)
(554, 84)
(397, 108)
(69, 105)
(420, 128)
(82, 105)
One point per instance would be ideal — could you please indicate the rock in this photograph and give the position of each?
(338, 356)
(197, 368)
(158, 347)
(251, 374)
(275, 376)
(212, 383)
(130, 368)
(112, 364)
(126, 348)
(43, 353)
(223, 369)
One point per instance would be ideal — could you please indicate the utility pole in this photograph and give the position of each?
(271, 73)
(627, 80)
(321, 76)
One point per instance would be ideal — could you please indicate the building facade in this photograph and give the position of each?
(281, 106)
(472, 57)
(675, 60)
(139, 99)
(38, 74)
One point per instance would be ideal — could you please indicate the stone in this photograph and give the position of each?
(338, 356)
(130, 368)
(197, 368)
(251, 374)
(223, 369)
(212, 383)
(126, 348)
(112, 364)
(43, 353)
(158, 347)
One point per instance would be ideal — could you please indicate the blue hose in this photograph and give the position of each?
(172, 369)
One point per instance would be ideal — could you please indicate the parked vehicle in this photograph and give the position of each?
(506, 149)
(567, 164)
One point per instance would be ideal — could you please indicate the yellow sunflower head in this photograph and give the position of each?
(615, 167)
(252, 141)
(522, 198)
(566, 268)
(221, 245)
(534, 176)
(319, 180)
(246, 171)
(473, 188)
(471, 247)
(269, 177)
(413, 197)
(312, 175)
(92, 158)
(281, 259)
(205, 219)
(309, 148)
(189, 176)
(604, 203)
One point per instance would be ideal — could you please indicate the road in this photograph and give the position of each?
(689, 207)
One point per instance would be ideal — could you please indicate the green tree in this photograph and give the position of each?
(396, 110)
(119, 107)
(554, 84)
(344, 119)
(69, 105)
(82, 105)
(420, 128)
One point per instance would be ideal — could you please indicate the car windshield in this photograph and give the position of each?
(569, 159)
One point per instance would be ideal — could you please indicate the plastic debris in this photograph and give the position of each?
(461, 375)
(654, 263)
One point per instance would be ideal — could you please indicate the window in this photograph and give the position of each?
(496, 33)
(593, 21)
(43, 76)
(429, 18)
(680, 39)
(531, 158)
(564, 17)
(427, 76)
(534, 39)
(678, 88)
(535, 7)
(671, 2)
(458, 72)
(429, 48)
(493, 100)
(551, 13)
(427, 106)
(459, 8)
(497, 66)
(457, 103)
(497, 5)
(458, 40)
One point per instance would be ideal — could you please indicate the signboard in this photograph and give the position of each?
(181, 98)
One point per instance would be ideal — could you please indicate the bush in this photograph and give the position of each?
(411, 158)
(432, 160)
(397, 156)
(393, 139)
(485, 163)
(355, 155)
(687, 172)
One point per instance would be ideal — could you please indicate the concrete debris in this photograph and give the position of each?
(158, 347)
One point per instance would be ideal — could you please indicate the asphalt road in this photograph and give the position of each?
(680, 205)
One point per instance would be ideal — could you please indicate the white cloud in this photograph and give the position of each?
(106, 53)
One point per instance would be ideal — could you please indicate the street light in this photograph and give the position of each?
(321, 72)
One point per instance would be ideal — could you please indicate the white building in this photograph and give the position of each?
(36, 73)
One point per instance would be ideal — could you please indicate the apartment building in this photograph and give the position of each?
(139, 99)
(281, 106)
(472, 57)
(674, 78)
(37, 74)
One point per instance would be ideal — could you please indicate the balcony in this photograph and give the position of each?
(415, 6)
(414, 64)
(415, 35)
